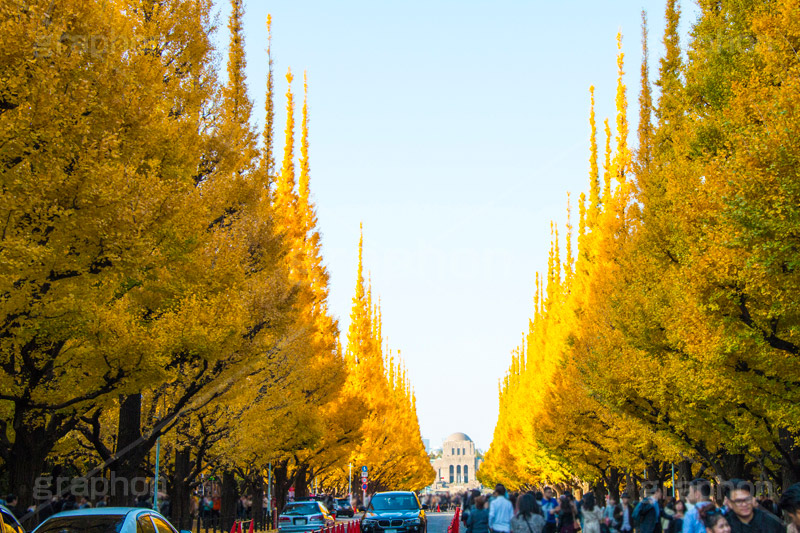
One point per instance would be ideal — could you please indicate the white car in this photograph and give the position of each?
(301, 517)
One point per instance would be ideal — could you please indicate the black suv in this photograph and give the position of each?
(395, 512)
(343, 507)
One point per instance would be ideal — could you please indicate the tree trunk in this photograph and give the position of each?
(127, 481)
(28, 455)
(180, 499)
(613, 481)
(230, 495)
(600, 491)
(630, 486)
(790, 470)
(301, 483)
(734, 465)
(653, 473)
(258, 500)
(281, 483)
(685, 471)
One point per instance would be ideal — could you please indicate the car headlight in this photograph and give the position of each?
(370, 522)
(413, 522)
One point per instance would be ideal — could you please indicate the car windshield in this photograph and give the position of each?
(83, 524)
(343, 503)
(301, 508)
(394, 502)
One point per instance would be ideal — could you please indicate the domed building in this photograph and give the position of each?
(456, 468)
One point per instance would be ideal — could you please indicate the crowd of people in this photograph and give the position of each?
(205, 507)
(443, 502)
(734, 507)
(65, 502)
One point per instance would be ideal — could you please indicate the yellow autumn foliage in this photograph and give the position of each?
(676, 339)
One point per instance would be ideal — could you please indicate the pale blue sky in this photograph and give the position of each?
(453, 130)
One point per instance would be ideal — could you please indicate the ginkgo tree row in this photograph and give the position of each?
(672, 336)
(162, 275)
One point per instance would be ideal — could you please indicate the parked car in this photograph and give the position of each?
(326, 501)
(343, 507)
(9, 522)
(395, 512)
(107, 520)
(304, 516)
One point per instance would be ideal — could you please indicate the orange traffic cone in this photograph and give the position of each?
(252, 527)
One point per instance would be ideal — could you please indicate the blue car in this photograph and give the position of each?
(8, 522)
(107, 520)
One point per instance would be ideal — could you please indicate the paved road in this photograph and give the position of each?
(438, 522)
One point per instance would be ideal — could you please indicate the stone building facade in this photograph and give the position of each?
(456, 468)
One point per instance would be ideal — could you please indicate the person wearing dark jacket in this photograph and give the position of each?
(478, 520)
(468, 504)
(744, 515)
(623, 515)
(790, 504)
(647, 514)
(567, 513)
(11, 505)
(676, 520)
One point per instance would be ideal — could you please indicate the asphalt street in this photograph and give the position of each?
(438, 522)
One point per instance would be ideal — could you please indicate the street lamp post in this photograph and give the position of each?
(673, 480)
(155, 477)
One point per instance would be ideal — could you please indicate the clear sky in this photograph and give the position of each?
(453, 130)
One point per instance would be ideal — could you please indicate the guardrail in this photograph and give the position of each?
(349, 527)
(239, 525)
(214, 523)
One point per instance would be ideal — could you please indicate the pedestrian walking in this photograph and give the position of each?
(744, 515)
(500, 511)
(607, 525)
(699, 496)
(676, 519)
(528, 519)
(478, 521)
(549, 504)
(623, 514)
(11, 505)
(790, 504)
(769, 506)
(592, 514)
(468, 504)
(567, 514)
(647, 514)
(713, 519)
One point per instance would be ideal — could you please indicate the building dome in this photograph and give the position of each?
(458, 437)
